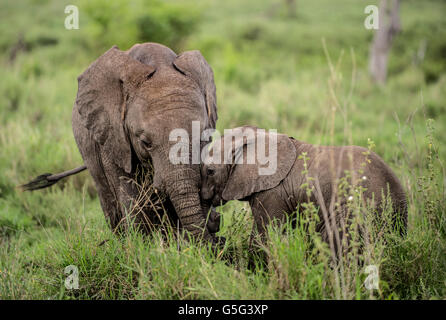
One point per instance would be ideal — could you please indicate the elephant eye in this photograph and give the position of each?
(150, 75)
(210, 172)
(146, 144)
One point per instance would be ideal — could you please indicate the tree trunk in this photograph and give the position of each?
(389, 26)
(291, 8)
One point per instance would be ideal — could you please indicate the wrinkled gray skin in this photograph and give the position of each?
(127, 104)
(274, 196)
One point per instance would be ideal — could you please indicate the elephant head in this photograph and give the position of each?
(232, 170)
(128, 103)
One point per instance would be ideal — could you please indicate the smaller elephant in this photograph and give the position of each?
(228, 175)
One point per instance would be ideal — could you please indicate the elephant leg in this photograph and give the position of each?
(117, 193)
(337, 233)
(267, 207)
(257, 256)
(91, 155)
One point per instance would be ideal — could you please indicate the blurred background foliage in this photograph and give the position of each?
(273, 69)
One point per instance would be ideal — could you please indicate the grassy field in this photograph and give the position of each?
(305, 76)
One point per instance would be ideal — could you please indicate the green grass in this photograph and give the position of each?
(307, 77)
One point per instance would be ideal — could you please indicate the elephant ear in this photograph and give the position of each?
(193, 65)
(246, 179)
(103, 91)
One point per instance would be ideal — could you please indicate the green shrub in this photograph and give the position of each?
(126, 22)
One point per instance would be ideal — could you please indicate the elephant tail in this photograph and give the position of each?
(46, 180)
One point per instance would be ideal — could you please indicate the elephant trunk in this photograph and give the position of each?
(212, 217)
(182, 187)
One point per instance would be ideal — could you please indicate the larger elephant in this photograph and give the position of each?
(127, 104)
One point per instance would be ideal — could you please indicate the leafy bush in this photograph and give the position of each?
(126, 22)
